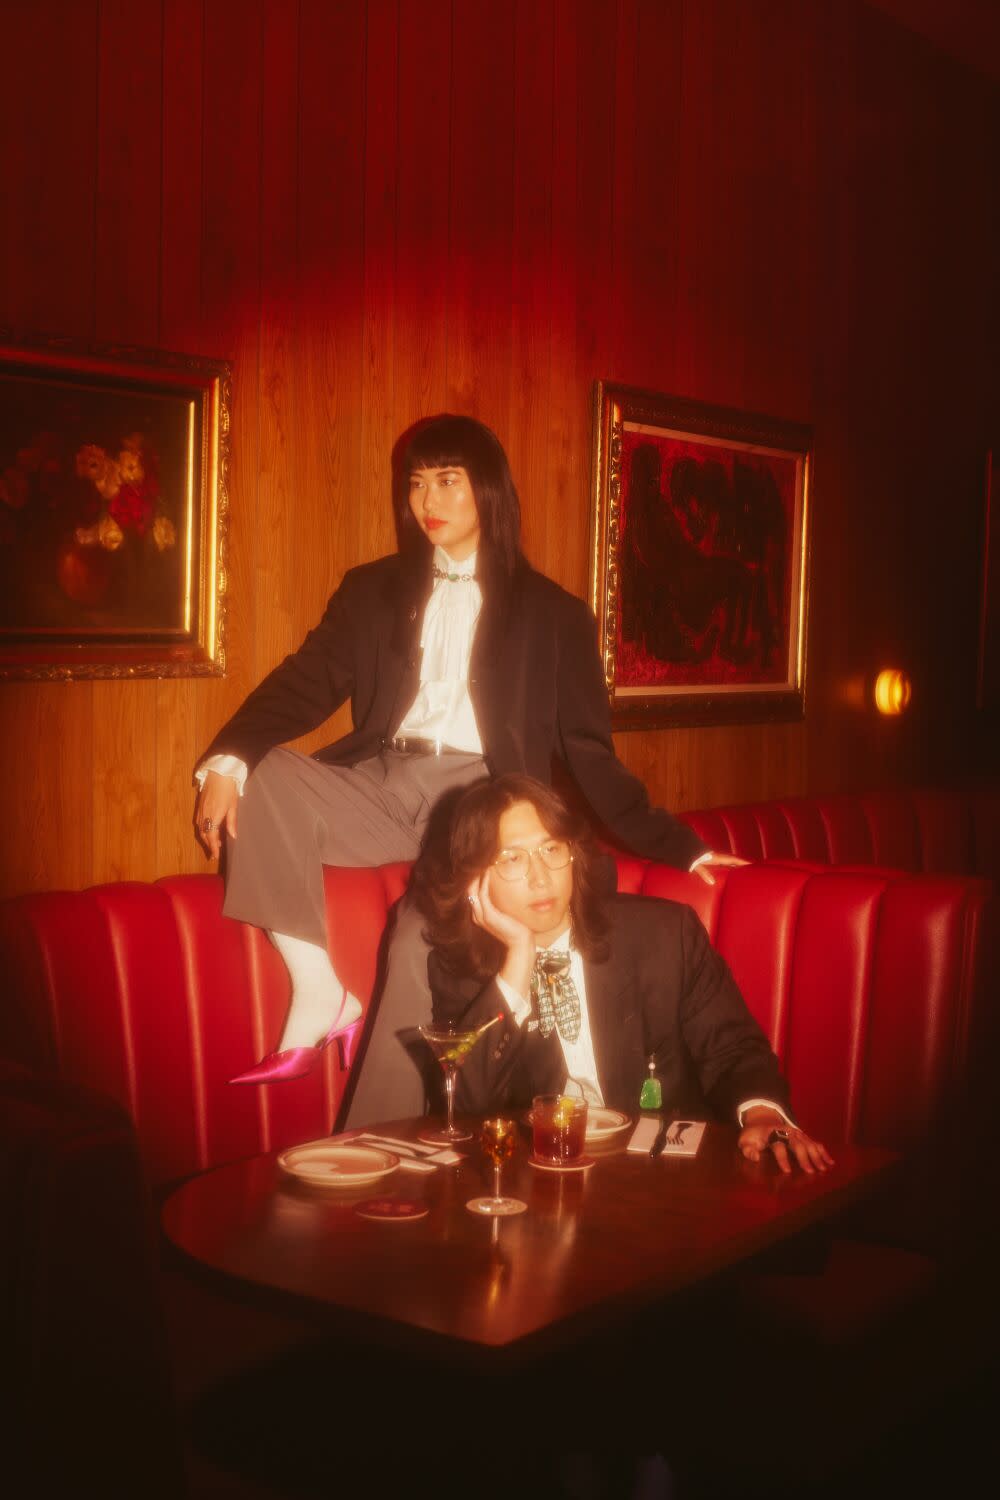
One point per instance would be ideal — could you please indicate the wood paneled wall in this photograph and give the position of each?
(379, 210)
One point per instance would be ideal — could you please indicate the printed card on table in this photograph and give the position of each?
(682, 1139)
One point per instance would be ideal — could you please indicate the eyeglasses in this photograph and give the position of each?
(515, 864)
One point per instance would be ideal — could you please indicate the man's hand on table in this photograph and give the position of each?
(765, 1130)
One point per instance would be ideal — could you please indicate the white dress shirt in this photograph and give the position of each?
(581, 1063)
(442, 709)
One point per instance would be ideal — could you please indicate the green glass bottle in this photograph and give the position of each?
(651, 1094)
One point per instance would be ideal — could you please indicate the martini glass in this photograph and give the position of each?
(497, 1138)
(451, 1046)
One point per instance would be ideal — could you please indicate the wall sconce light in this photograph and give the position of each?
(892, 691)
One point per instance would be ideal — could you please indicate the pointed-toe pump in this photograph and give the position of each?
(296, 1062)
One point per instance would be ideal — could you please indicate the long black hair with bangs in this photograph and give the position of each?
(447, 440)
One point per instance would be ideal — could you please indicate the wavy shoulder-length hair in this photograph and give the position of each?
(462, 842)
(447, 440)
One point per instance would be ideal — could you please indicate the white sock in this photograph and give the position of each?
(318, 997)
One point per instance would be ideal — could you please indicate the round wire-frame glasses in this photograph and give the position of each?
(514, 864)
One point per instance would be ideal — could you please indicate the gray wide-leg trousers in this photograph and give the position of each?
(295, 816)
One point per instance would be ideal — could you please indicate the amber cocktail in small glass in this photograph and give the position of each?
(498, 1137)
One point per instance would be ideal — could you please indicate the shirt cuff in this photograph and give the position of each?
(224, 765)
(517, 1004)
(768, 1104)
(700, 860)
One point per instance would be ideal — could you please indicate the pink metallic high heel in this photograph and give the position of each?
(296, 1062)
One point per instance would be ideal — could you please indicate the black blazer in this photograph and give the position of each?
(535, 682)
(663, 992)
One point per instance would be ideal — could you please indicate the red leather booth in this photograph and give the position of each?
(934, 831)
(874, 987)
(870, 984)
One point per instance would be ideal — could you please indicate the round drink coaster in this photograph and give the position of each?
(393, 1210)
(580, 1165)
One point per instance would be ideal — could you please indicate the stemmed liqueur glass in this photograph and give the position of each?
(451, 1047)
(497, 1138)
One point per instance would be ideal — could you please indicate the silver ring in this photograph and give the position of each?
(778, 1135)
(207, 825)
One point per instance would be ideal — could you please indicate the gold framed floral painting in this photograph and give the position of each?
(113, 511)
(699, 553)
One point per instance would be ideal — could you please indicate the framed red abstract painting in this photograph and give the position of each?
(113, 508)
(699, 560)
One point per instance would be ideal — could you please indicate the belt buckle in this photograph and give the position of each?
(414, 744)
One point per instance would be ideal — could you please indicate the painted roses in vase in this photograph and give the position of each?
(128, 489)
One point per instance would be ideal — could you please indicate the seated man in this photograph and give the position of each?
(598, 993)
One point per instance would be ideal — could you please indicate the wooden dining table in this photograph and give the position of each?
(630, 1233)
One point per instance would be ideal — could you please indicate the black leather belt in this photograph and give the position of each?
(411, 744)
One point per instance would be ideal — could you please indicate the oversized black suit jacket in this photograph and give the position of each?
(663, 992)
(534, 679)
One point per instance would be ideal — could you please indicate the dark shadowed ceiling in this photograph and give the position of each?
(968, 30)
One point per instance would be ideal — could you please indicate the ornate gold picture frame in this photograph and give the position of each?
(699, 560)
(113, 511)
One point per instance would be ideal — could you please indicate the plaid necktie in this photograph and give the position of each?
(555, 996)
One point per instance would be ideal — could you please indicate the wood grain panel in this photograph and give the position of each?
(129, 120)
(583, 176)
(330, 516)
(839, 245)
(564, 496)
(915, 197)
(124, 781)
(730, 290)
(51, 159)
(182, 129)
(25, 33)
(529, 421)
(276, 541)
(658, 268)
(380, 209)
(177, 849)
(126, 305)
(481, 219)
(624, 208)
(230, 313)
(779, 150)
(653, 248)
(45, 759)
(177, 736)
(378, 405)
(48, 157)
(422, 214)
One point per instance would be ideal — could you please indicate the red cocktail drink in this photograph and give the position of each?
(558, 1127)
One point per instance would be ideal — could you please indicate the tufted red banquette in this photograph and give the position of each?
(874, 988)
(954, 832)
(869, 984)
